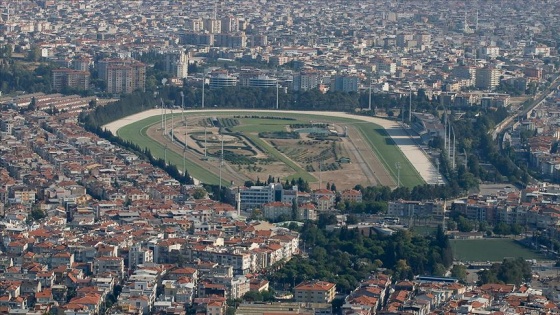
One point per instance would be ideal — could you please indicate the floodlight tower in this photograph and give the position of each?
(276, 93)
(182, 106)
(203, 84)
(205, 146)
(221, 162)
(164, 118)
(398, 167)
(410, 105)
(369, 102)
(172, 135)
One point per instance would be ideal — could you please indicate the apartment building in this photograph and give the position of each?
(306, 80)
(487, 78)
(122, 75)
(113, 265)
(177, 64)
(315, 292)
(344, 83)
(69, 78)
(256, 196)
(404, 208)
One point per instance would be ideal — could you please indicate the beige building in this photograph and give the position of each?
(315, 292)
(122, 75)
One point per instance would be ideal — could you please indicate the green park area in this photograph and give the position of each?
(381, 143)
(490, 249)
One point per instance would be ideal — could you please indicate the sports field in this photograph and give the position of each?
(490, 250)
(380, 143)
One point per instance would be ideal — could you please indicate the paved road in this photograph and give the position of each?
(407, 145)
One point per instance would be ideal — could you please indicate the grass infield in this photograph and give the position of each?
(490, 250)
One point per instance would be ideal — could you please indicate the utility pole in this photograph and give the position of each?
(276, 93)
(184, 163)
(444, 129)
(185, 149)
(320, 174)
(221, 163)
(162, 116)
(410, 105)
(172, 135)
(182, 106)
(165, 155)
(438, 175)
(398, 167)
(203, 84)
(205, 140)
(449, 139)
(163, 123)
(454, 148)
(369, 102)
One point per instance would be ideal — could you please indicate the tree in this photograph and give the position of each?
(34, 53)
(510, 271)
(464, 224)
(295, 215)
(326, 219)
(402, 270)
(516, 229)
(459, 272)
(351, 219)
(502, 229)
(199, 193)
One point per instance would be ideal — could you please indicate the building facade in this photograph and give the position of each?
(69, 78)
(315, 292)
(122, 75)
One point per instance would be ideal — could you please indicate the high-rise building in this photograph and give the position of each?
(403, 39)
(81, 63)
(213, 26)
(306, 80)
(465, 72)
(69, 78)
(259, 40)
(385, 66)
(122, 75)
(193, 38)
(487, 78)
(230, 24)
(344, 83)
(177, 64)
(238, 40)
(196, 25)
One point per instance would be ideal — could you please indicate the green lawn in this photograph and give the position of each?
(490, 250)
(380, 141)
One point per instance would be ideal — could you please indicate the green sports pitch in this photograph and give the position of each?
(491, 249)
(381, 143)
